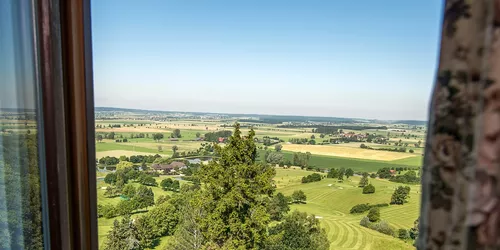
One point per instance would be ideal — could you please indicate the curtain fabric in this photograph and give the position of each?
(460, 187)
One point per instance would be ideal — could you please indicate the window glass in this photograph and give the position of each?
(261, 124)
(20, 189)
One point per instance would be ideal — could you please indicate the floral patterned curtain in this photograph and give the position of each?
(460, 187)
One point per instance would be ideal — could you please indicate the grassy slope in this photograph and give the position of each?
(333, 205)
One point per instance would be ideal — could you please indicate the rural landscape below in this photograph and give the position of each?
(359, 178)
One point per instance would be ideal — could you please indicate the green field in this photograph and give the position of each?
(355, 164)
(332, 204)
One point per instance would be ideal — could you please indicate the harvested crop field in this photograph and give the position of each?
(118, 153)
(349, 152)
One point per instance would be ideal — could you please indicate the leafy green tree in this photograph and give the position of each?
(166, 184)
(175, 148)
(198, 134)
(369, 189)
(413, 232)
(188, 234)
(278, 147)
(132, 174)
(99, 138)
(125, 207)
(333, 173)
(341, 174)
(124, 165)
(162, 199)
(400, 195)
(298, 231)
(111, 191)
(349, 173)
(374, 214)
(237, 185)
(313, 137)
(162, 219)
(175, 186)
(124, 158)
(274, 157)
(299, 196)
(147, 180)
(278, 206)
(301, 159)
(123, 236)
(363, 181)
(129, 191)
(110, 178)
(157, 136)
(176, 133)
(144, 197)
(373, 175)
(108, 211)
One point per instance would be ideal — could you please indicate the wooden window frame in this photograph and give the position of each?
(63, 38)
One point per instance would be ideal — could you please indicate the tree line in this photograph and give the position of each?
(214, 136)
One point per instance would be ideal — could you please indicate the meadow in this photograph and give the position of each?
(327, 199)
(331, 204)
(330, 201)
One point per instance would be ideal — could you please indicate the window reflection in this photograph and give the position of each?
(20, 191)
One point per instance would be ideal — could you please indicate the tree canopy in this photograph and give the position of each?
(233, 195)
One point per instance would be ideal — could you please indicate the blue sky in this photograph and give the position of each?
(367, 59)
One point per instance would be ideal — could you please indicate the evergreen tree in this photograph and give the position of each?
(144, 197)
(124, 235)
(233, 195)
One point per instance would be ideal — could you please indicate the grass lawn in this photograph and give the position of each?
(332, 204)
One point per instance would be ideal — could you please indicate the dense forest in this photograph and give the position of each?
(20, 200)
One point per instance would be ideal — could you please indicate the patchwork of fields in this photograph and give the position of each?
(348, 152)
(327, 199)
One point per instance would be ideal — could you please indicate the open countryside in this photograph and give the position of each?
(383, 154)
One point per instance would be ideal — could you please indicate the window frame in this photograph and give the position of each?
(63, 39)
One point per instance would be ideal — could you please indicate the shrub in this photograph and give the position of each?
(380, 205)
(311, 178)
(403, 234)
(373, 176)
(411, 151)
(298, 196)
(365, 222)
(382, 227)
(360, 208)
(108, 211)
(374, 214)
(369, 189)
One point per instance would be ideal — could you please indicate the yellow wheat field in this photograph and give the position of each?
(348, 152)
